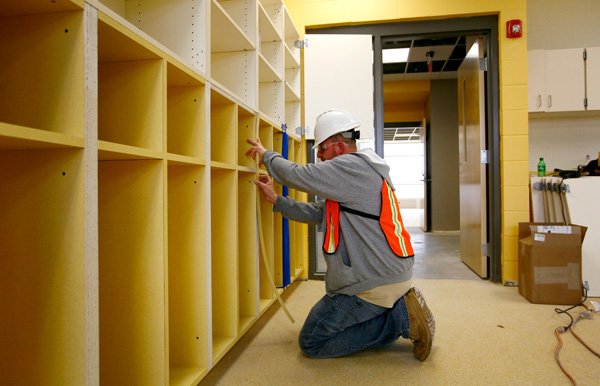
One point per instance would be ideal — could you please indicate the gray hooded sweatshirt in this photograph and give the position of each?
(363, 260)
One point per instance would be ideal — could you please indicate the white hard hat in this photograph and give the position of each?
(333, 122)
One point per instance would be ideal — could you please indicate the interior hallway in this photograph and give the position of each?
(437, 256)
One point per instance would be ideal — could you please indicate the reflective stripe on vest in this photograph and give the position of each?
(390, 221)
(332, 229)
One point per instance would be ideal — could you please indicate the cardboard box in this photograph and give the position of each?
(550, 262)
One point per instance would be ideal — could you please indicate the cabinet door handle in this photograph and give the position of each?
(539, 101)
(549, 104)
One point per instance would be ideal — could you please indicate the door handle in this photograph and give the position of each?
(549, 102)
(539, 101)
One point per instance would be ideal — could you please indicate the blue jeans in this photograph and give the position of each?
(339, 325)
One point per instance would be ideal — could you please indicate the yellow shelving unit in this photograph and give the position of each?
(233, 62)
(175, 26)
(293, 105)
(277, 220)
(131, 82)
(266, 295)
(186, 115)
(188, 300)
(248, 258)
(128, 223)
(29, 89)
(224, 256)
(42, 272)
(223, 129)
(301, 230)
(42, 211)
(132, 271)
(246, 129)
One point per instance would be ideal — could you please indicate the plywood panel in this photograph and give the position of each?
(42, 288)
(132, 272)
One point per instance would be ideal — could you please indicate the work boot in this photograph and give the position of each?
(422, 324)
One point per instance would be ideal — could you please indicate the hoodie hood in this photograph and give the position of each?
(376, 162)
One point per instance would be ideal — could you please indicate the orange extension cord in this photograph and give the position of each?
(561, 330)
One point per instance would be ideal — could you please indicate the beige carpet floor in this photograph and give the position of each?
(486, 334)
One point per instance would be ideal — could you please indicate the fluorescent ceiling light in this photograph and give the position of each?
(395, 55)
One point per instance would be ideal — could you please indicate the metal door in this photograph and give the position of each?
(473, 159)
(426, 178)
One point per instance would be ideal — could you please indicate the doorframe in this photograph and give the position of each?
(476, 25)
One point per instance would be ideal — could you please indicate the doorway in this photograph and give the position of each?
(404, 150)
(438, 29)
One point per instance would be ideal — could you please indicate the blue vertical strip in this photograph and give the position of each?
(285, 226)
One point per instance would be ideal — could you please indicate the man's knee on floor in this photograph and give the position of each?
(308, 346)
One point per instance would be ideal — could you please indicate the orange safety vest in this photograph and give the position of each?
(389, 218)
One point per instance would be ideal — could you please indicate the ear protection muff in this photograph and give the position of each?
(351, 134)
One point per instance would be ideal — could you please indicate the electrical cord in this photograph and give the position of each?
(557, 332)
(584, 315)
(263, 249)
(587, 314)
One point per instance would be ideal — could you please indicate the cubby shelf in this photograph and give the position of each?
(233, 49)
(128, 211)
(186, 113)
(224, 251)
(29, 90)
(42, 272)
(19, 137)
(132, 271)
(188, 303)
(177, 26)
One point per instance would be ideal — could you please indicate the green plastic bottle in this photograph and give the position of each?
(541, 167)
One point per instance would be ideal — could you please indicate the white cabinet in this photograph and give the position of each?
(556, 80)
(593, 78)
(537, 88)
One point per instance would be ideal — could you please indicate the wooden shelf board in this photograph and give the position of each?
(28, 7)
(246, 321)
(179, 75)
(221, 344)
(178, 159)
(19, 137)
(118, 43)
(265, 304)
(222, 165)
(297, 274)
(266, 72)
(226, 36)
(246, 169)
(268, 32)
(117, 151)
(290, 60)
(290, 94)
(291, 32)
(186, 375)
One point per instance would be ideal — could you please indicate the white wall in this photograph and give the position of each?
(563, 142)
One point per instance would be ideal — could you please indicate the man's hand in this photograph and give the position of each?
(265, 184)
(256, 149)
